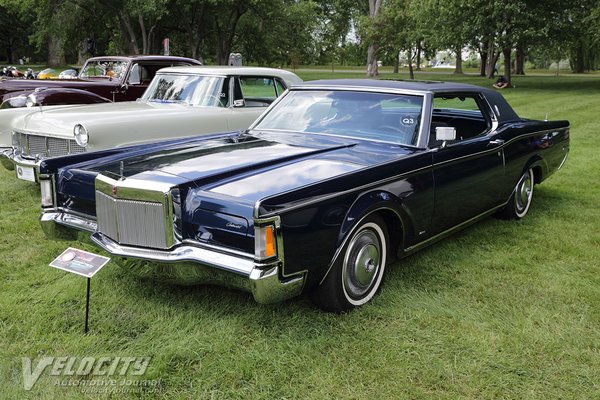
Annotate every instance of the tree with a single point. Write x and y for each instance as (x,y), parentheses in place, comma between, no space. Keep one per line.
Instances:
(374,27)
(445,25)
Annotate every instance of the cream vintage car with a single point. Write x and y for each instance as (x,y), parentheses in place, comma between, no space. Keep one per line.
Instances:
(180,101)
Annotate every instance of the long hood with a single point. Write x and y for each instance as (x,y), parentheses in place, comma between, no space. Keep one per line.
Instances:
(59,121)
(250,167)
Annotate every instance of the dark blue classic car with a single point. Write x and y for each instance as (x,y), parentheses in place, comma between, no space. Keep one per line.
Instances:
(337,179)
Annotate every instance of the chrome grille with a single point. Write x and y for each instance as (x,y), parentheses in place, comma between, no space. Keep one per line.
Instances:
(132,222)
(45,146)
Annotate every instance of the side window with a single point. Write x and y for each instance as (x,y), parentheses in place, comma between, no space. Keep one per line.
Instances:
(238,96)
(462,112)
(280,87)
(258,91)
(224,93)
(134,75)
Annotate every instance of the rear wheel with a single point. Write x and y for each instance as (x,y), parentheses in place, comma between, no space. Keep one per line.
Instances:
(356,274)
(520,201)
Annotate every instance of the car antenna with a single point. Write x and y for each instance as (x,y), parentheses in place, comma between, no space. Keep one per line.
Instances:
(546,118)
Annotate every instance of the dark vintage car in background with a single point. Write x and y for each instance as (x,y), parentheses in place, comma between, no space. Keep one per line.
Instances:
(337,179)
(101,80)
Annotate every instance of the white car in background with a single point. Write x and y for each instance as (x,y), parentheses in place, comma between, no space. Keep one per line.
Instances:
(180,101)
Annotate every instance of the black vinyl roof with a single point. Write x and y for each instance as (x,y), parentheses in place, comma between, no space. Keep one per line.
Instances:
(502,109)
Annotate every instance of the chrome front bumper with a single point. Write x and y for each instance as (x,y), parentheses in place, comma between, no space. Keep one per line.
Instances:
(12,160)
(184,264)
(6,156)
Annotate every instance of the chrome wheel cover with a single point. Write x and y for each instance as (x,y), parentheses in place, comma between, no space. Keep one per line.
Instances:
(524,193)
(363,264)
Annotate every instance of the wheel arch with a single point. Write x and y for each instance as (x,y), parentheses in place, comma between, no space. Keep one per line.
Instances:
(539,166)
(383,204)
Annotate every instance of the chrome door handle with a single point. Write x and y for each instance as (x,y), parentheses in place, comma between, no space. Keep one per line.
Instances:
(497,142)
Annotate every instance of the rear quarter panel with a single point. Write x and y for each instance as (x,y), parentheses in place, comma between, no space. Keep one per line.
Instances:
(542,145)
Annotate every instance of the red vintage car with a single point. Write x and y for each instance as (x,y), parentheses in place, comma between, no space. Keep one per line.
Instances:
(102,79)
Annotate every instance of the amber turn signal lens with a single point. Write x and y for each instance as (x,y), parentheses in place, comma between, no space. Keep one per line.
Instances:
(269,241)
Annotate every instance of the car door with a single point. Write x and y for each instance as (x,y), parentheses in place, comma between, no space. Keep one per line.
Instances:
(469,171)
(251,96)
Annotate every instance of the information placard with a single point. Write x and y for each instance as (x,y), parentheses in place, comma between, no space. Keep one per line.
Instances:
(79,262)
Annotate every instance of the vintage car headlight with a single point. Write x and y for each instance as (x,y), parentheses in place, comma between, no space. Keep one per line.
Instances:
(31,100)
(265,244)
(81,135)
(47,192)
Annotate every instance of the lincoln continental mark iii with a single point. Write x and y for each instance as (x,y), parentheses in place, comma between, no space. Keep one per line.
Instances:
(332,183)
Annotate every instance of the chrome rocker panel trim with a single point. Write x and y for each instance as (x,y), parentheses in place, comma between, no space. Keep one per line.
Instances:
(184,264)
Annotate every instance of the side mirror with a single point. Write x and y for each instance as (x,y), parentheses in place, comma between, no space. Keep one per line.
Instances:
(444,134)
(239,103)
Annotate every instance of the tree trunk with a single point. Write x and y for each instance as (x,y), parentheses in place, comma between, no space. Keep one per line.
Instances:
(130,34)
(418,67)
(411,72)
(579,59)
(520,62)
(458,69)
(372,69)
(9,55)
(144,35)
(81,54)
(396,65)
(483,55)
(56,55)
(506,52)
(491,62)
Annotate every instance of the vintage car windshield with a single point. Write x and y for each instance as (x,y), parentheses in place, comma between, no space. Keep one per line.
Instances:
(104,69)
(196,90)
(394,118)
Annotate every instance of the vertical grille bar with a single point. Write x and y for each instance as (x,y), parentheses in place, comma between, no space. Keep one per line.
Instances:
(106,210)
(132,222)
(141,223)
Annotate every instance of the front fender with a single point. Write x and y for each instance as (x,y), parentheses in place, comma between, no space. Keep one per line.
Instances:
(7,119)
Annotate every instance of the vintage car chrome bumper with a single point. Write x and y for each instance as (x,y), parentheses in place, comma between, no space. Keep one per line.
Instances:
(20,164)
(6,156)
(185,263)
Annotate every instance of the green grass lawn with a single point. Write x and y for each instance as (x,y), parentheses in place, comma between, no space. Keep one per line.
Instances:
(501,310)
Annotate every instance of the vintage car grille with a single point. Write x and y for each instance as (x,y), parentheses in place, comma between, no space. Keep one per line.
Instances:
(45,146)
(133,222)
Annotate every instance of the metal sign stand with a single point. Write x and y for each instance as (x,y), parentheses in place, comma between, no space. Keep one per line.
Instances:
(82,263)
(87,306)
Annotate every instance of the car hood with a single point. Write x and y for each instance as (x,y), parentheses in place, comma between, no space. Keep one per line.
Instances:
(59,121)
(243,168)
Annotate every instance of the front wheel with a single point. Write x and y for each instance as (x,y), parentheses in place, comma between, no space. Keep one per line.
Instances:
(358,270)
(520,201)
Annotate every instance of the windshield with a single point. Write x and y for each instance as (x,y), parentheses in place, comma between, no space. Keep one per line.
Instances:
(394,118)
(196,90)
(104,69)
